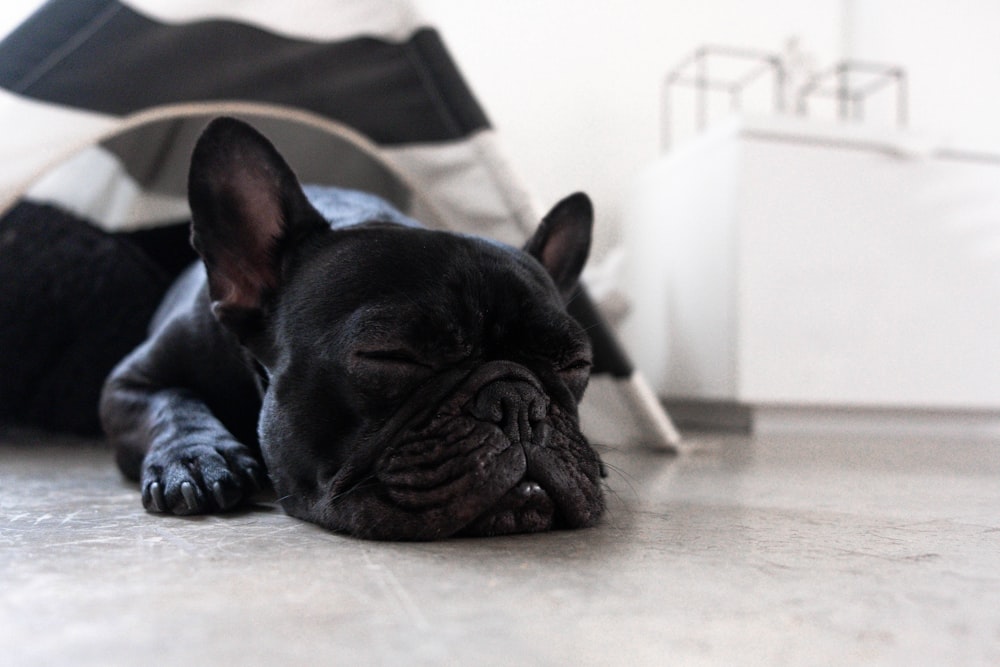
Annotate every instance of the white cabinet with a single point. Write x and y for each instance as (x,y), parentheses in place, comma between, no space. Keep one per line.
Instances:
(784,262)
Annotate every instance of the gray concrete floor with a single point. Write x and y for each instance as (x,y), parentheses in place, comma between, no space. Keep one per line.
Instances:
(768,550)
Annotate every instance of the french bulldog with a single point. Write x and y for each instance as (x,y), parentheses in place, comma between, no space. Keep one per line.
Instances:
(390,381)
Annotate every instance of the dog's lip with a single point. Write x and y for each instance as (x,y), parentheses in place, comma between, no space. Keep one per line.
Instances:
(525,508)
(528,490)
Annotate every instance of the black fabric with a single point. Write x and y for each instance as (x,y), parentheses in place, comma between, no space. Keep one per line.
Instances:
(167,246)
(102,56)
(74,300)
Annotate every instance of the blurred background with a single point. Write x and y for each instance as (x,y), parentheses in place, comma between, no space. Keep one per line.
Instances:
(574,85)
(836,259)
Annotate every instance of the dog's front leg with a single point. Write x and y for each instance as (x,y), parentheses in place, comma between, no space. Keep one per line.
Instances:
(169,440)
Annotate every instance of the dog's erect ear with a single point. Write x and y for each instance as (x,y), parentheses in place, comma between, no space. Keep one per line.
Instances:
(562,241)
(246,207)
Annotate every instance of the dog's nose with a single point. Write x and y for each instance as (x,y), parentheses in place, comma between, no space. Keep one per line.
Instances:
(517,407)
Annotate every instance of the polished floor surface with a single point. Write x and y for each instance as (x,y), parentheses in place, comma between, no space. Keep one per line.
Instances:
(785,550)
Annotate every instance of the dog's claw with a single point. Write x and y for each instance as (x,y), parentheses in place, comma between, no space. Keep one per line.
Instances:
(220,496)
(254,475)
(156,497)
(189,496)
(197,478)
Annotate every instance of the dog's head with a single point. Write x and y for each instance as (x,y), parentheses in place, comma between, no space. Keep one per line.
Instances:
(420,383)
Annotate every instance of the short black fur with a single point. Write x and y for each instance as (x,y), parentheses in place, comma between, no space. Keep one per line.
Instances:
(390,381)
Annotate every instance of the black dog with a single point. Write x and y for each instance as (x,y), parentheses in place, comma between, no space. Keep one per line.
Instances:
(393,381)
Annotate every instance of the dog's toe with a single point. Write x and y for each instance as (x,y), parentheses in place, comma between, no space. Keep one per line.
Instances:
(152,497)
(171,498)
(184,496)
(229,495)
(190,497)
(219,495)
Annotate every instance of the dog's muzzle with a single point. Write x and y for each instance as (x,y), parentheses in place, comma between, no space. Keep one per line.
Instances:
(497,456)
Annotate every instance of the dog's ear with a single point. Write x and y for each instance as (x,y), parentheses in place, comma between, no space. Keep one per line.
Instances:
(562,242)
(246,208)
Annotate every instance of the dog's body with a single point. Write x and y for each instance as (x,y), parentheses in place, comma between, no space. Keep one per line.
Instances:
(393,382)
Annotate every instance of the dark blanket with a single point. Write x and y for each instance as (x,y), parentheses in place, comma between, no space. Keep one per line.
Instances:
(74,300)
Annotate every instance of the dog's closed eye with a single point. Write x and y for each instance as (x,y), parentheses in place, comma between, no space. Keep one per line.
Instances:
(581,364)
(391,356)
(387,373)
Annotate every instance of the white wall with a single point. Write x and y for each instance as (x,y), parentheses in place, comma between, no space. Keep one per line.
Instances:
(951,49)
(12,12)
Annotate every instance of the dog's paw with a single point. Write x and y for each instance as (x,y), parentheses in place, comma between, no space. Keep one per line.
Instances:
(200,478)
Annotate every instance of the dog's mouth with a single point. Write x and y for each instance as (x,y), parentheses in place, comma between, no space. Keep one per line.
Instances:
(495,457)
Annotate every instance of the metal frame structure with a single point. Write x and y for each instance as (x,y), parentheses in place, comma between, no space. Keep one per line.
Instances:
(851,95)
(848,89)
(694,72)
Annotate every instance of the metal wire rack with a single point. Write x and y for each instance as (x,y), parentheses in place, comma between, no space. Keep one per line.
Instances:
(851,83)
(731,70)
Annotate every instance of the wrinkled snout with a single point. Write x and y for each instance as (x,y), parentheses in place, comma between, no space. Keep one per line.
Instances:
(488,453)
(500,456)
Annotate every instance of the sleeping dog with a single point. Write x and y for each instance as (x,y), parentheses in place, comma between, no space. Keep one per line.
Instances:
(390,381)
